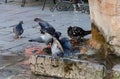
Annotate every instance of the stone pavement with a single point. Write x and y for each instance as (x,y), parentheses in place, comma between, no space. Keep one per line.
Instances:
(10,49)
(10,15)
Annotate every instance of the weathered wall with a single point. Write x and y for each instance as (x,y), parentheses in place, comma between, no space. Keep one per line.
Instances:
(105,14)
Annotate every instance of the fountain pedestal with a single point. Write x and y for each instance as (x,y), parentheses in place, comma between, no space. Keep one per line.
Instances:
(66,67)
(105,16)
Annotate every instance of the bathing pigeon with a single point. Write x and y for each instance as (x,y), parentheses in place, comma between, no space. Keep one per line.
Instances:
(62,47)
(77,32)
(65,42)
(67,46)
(69,49)
(56,48)
(45,26)
(18,30)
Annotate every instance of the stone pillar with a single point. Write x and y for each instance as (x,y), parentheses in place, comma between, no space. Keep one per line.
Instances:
(105,18)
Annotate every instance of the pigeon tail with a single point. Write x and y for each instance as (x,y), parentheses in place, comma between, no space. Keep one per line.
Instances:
(87,32)
(34,40)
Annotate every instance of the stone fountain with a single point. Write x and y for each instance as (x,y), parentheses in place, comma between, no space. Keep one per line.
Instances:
(105,17)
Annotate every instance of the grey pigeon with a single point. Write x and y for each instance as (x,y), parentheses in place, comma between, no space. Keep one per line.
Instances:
(45,26)
(18,30)
(65,42)
(44,38)
(69,50)
(62,47)
(67,46)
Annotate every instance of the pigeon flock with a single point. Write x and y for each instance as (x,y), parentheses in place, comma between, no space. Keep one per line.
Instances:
(60,46)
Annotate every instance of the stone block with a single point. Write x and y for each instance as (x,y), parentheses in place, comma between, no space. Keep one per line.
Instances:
(66,68)
(116,72)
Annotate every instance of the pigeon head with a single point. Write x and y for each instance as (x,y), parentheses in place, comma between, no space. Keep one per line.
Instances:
(59,33)
(21,22)
(70,31)
(70,27)
(37,19)
(42,32)
(50,41)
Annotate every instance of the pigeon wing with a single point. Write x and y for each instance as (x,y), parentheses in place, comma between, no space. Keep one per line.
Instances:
(59,44)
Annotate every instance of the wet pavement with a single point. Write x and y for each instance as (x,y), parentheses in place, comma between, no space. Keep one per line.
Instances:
(12,58)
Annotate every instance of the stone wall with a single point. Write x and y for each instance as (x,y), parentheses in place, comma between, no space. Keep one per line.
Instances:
(105,15)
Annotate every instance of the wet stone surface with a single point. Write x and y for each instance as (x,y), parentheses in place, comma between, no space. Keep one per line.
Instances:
(5,63)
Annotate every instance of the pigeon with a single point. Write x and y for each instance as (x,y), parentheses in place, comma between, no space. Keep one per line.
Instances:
(62,47)
(18,30)
(44,38)
(45,26)
(52,42)
(69,49)
(77,32)
(67,46)
(56,48)
(65,42)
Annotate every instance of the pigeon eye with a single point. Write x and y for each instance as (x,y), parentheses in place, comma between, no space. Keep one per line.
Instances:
(74,33)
